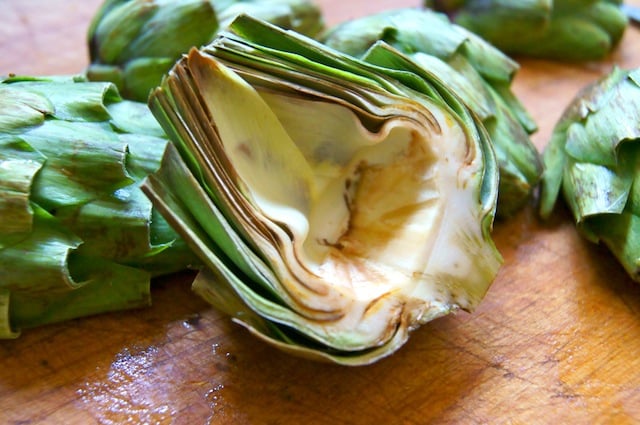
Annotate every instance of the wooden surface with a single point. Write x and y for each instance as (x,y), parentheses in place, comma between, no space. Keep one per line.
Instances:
(556,340)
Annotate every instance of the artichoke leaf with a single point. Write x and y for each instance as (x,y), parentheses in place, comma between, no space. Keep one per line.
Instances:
(67,98)
(19,164)
(107,287)
(19,109)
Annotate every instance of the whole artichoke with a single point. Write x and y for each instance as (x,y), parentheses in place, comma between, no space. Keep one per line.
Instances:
(337,204)
(77,235)
(594,159)
(479,73)
(569,30)
(134,43)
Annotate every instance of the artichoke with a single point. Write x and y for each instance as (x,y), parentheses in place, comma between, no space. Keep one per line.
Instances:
(594,158)
(336,204)
(134,43)
(480,74)
(568,30)
(77,235)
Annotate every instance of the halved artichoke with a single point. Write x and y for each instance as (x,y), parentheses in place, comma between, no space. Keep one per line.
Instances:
(77,236)
(593,157)
(568,30)
(134,43)
(337,204)
(478,72)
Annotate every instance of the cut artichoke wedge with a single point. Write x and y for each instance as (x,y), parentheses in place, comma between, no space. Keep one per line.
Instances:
(593,160)
(478,72)
(337,204)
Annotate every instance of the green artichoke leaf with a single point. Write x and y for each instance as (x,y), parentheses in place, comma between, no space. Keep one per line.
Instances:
(479,73)
(20,109)
(76,149)
(109,287)
(355,205)
(49,244)
(20,164)
(568,30)
(593,160)
(602,189)
(134,118)
(77,235)
(74,98)
(462,78)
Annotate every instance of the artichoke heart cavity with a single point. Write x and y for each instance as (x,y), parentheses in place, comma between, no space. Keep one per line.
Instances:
(354,213)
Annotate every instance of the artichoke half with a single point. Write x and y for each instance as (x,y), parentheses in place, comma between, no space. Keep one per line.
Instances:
(77,235)
(568,30)
(337,204)
(479,73)
(593,158)
(134,43)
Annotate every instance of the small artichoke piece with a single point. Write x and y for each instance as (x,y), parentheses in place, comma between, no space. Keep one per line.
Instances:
(77,235)
(593,157)
(337,204)
(479,73)
(134,43)
(568,30)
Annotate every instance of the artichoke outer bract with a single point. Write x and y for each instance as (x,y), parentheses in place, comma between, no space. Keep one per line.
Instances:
(567,30)
(593,159)
(134,43)
(337,204)
(479,73)
(77,235)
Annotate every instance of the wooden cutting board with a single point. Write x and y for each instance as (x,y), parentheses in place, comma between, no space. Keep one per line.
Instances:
(556,340)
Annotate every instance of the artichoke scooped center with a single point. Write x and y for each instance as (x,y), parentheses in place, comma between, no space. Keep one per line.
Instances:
(353,211)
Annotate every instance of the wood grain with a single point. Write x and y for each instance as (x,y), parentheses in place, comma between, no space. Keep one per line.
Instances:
(556,340)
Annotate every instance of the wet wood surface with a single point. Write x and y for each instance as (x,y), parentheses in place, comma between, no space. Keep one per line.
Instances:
(556,340)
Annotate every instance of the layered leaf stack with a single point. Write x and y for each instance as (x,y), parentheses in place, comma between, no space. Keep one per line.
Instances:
(77,236)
